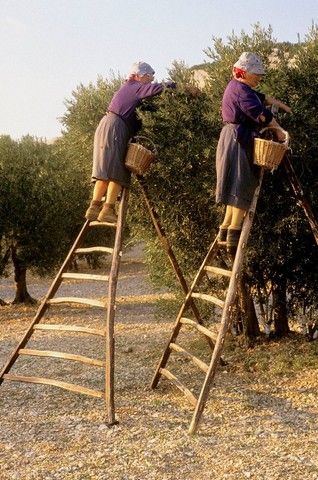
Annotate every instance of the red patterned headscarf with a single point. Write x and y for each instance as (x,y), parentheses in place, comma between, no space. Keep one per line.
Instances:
(238,72)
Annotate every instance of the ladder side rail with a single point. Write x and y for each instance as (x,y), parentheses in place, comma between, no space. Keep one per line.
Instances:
(110,344)
(178,324)
(44,305)
(228,306)
(300,197)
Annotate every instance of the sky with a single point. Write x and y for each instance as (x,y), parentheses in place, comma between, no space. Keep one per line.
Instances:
(49,47)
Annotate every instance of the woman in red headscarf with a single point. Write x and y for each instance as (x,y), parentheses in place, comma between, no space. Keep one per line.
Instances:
(244,114)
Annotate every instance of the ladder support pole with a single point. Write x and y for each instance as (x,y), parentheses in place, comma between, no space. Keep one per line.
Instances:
(110,342)
(166,245)
(178,324)
(227,310)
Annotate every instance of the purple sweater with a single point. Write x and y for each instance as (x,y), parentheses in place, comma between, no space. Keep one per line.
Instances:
(130,96)
(243,105)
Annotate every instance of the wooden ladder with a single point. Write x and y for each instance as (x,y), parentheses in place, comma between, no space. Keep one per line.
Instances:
(107,333)
(215,264)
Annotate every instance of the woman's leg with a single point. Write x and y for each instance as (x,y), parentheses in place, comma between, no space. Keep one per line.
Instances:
(234,230)
(100,188)
(113,191)
(237,218)
(95,206)
(227,217)
(225,224)
(107,213)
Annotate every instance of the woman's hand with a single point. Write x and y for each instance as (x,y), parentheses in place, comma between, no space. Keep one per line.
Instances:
(277,103)
(279,131)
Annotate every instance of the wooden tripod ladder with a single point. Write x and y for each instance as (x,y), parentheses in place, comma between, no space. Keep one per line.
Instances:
(227,305)
(107,333)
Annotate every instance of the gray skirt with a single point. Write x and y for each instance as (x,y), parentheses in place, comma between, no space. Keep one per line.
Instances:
(237,177)
(110,146)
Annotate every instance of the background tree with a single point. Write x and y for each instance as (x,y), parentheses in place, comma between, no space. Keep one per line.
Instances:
(38,196)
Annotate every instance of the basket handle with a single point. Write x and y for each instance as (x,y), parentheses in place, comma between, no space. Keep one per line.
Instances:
(138,137)
(286,142)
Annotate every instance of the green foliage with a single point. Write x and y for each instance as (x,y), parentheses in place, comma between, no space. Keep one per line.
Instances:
(38,198)
(185,127)
(182,183)
(83,113)
(283,243)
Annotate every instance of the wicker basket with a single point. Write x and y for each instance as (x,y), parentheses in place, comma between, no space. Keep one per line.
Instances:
(267,153)
(138,158)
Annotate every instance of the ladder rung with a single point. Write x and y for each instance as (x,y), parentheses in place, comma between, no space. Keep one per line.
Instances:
(102,224)
(179,385)
(84,301)
(65,356)
(94,249)
(85,276)
(218,271)
(203,366)
(56,383)
(200,328)
(208,298)
(69,328)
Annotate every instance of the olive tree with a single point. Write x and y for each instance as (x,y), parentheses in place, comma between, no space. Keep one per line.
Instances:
(39,197)
(183,181)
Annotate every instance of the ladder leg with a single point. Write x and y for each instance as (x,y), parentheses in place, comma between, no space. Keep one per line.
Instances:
(110,343)
(167,247)
(163,361)
(44,305)
(227,310)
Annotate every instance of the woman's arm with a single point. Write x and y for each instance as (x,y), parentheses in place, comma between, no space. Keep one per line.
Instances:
(273,101)
(151,89)
(251,105)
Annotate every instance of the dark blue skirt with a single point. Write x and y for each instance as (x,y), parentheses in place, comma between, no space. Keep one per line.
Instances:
(237,177)
(110,147)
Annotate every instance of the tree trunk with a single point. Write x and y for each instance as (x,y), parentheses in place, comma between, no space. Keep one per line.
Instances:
(248,315)
(21,295)
(281,327)
(3,263)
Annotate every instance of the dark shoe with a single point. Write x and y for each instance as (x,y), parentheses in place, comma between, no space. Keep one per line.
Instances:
(93,210)
(107,214)
(222,235)
(232,240)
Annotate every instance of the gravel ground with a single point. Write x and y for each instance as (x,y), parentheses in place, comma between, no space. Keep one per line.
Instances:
(255,425)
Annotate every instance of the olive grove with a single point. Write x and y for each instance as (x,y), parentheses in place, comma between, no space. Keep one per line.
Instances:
(281,270)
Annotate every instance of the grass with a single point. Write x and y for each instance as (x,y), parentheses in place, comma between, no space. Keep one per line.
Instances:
(289,354)
(277,357)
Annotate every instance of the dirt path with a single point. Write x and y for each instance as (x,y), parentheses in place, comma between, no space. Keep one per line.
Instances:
(256,425)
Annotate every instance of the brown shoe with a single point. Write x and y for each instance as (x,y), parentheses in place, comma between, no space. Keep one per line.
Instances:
(222,234)
(93,210)
(107,214)
(232,240)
